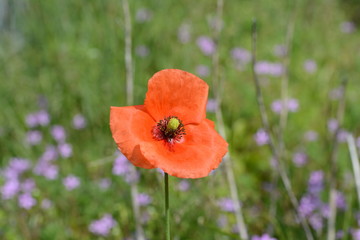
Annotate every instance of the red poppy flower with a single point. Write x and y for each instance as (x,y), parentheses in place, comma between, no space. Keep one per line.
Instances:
(170,131)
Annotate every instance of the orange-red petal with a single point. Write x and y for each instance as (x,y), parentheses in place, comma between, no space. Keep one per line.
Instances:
(200,152)
(173,92)
(130,126)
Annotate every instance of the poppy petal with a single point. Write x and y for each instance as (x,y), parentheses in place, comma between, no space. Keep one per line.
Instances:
(173,92)
(200,152)
(130,126)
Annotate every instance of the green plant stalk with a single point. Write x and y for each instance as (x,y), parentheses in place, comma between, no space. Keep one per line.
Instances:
(167,209)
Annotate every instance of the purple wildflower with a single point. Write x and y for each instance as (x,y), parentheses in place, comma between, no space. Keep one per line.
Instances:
(184,35)
(71,182)
(143,199)
(342,135)
(263,237)
(311,136)
(203,70)
(308,204)
(280,50)
(58,133)
(10,188)
(33,137)
(28,185)
(65,150)
(102,226)
(299,159)
(355,234)
(183,185)
(104,183)
(19,165)
(316,222)
(31,120)
(292,105)
(50,154)
(310,66)
(340,200)
(241,55)
(340,234)
(143,15)
(261,137)
(268,68)
(222,221)
(276,106)
(79,121)
(325,210)
(43,118)
(26,201)
(121,166)
(227,205)
(142,51)
(315,183)
(46,204)
(347,27)
(206,45)
(332,125)
(50,172)
(211,105)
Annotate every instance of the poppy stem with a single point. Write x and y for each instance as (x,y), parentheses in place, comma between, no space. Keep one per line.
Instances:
(167,209)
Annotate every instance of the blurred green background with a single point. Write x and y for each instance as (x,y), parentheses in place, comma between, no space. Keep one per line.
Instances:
(66,58)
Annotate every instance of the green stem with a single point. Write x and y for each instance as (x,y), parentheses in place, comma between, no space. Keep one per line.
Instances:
(167,209)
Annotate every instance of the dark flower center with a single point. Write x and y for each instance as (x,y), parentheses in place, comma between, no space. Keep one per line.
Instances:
(169,129)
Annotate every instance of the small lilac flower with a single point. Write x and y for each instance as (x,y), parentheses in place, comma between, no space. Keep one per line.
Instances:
(184,35)
(19,165)
(340,234)
(226,205)
(261,137)
(46,204)
(292,105)
(308,204)
(79,121)
(71,182)
(206,45)
(65,150)
(132,177)
(10,189)
(143,15)
(268,68)
(43,118)
(142,51)
(336,93)
(222,221)
(316,222)
(31,120)
(184,185)
(203,70)
(104,183)
(145,217)
(28,185)
(325,210)
(50,172)
(121,166)
(211,105)
(347,27)
(33,137)
(58,133)
(311,136)
(342,135)
(310,66)
(355,234)
(276,106)
(241,55)
(263,237)
(26,201)
(315,183)
(50,154)
(143,199)
(332,125)
(299,159)
(280,50)
(340,200)
(103,226)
